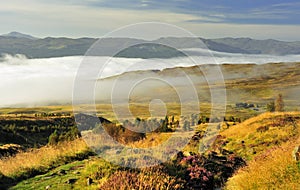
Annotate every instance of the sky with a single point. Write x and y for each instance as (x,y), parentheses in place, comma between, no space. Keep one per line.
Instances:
(257,19)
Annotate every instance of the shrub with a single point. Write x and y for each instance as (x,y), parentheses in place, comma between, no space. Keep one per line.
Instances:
(53,138)
(121,134)
(208,172)
(271,106)
(146,179)
(279,105)
(262,129)
(131,136)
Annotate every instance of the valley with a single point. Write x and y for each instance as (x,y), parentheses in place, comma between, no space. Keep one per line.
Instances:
(66,149)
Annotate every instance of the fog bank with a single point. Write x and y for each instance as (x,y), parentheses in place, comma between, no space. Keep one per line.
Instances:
(34,82)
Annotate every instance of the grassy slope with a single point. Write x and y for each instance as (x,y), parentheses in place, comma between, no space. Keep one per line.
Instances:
(247,139)
(74,176)
(38,161)
(274,169)
(270,165)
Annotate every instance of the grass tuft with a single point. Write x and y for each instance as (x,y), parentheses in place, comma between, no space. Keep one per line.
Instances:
(36,161)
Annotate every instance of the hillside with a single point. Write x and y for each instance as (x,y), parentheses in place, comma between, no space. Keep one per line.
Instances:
(255,135)
(250,83)
(264,143)
(268,142)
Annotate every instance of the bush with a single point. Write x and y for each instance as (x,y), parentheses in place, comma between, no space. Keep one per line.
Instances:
(146,179)
(53,138)
(271,106)
(208,172)
(279,105)
(121,134)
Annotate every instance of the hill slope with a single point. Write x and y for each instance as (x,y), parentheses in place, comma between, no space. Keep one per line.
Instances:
(271,167)
(267,141)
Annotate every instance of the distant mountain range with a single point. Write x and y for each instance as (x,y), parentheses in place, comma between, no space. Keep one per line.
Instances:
(32,47)
(19,35)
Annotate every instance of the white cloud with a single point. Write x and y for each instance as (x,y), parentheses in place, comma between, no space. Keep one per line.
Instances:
(290,4)
(218,15)
(71,20)
(42,81)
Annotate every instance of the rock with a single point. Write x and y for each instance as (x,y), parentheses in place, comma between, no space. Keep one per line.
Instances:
(226,152)
(195,138)
(71,181)
(89,181)
(61,172)
(48,187)
(296,153)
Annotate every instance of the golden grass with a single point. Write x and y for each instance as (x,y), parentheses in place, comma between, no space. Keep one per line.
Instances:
(152,140)
(246,141)
(41,158)
(273,166)
(275,169)
(250,125)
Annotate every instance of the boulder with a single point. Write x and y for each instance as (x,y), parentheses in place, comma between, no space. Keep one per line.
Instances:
(296,153)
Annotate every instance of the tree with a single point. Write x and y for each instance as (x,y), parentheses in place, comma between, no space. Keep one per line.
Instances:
(172,121)
(271,106)
(53,138)
(165,125)
(279,105)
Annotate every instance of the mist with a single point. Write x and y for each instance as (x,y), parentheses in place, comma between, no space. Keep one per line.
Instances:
(48,81)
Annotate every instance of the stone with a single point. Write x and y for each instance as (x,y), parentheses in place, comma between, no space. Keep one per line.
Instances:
(296,153)
(61,172)
(89,181)
(71,181)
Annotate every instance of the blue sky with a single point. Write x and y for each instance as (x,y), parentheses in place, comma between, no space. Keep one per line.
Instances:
(259,19)
(228,11)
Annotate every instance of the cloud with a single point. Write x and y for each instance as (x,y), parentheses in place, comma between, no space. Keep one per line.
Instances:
(71,20)
(289,4)
(33,82)
(75,18)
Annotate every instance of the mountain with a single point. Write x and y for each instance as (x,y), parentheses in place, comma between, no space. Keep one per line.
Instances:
(17,43)
(44,48)
(186,43)
(19,35)
(269,46)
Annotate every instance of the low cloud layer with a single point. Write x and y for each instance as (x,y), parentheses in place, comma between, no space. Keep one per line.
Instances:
(34,82)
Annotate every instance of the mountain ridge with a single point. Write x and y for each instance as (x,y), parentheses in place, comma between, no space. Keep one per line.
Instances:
(168,47)
(19,35)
